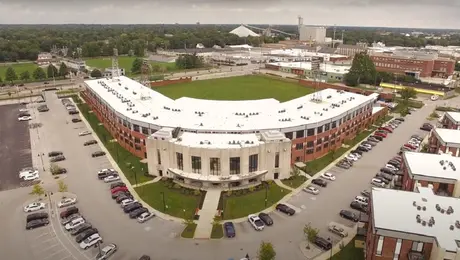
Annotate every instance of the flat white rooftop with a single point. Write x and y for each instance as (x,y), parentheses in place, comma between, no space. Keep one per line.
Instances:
(442,166)
(219,141)
(377,109)
(447,136)
(304,53)
(142,104)
(396,210)
(455,116)
(307,66)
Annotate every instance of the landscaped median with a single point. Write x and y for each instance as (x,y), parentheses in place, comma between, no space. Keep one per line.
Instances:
(129,164)
(294,181)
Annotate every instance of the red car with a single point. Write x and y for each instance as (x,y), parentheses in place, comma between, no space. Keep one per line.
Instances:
(386,128)
(381,134)
(117,189)
(410,146)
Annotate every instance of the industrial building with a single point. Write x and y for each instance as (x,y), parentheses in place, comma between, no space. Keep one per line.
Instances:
(44,58)
(447,138)
(327,72)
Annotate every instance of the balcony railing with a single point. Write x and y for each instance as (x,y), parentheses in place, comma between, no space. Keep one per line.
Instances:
(412,255)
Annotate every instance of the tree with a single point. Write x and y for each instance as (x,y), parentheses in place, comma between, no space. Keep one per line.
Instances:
(295,172)
(63,70)
(39,74)
(52,71)
(362,71)
(266,251)
(189,61)
(10,75)
(408,93)
(137,65)
(25,75)
(62,187)
(38,190)
(310,234)
(95,73)
(457,66)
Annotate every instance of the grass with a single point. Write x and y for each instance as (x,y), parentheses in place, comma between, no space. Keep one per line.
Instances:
(124,158)
(126,63)
(295,181)
(237,88)
(19,68)
(179,202)
(217,231)
(349,252)
(240,205)
(189,231)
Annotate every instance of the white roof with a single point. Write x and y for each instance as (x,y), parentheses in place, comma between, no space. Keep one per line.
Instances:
(219,141)
(454,115)
(242,31)
(394,210)
(307,66)
(448,135)
(376,109)
(144,105)
(304,53)
(433,165)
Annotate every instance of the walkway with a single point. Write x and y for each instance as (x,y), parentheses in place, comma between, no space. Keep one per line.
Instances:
(282,185)
(207,214)
(156,179)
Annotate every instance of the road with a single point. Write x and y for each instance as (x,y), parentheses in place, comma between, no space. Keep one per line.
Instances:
(159,238)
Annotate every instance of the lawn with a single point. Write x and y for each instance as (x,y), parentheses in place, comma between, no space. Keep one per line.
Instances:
(124,158)
(349,252)
(19,68)
(237,88)
(189,231)
(178,201)
(295,181)
(241,203)
(217,231)
(126,63)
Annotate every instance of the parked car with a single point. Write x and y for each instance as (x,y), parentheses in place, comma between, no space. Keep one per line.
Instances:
(111,178)
(392,167)
(417,137)
(31,177)
(358,152)
(90,142)
(328,176)
(37,223)
(69,211)
(74,223)
(322,243)
(378,183)
(311,190)
(76,120)
(117,189)
(84,133)
(117,184)
(346,214)
(65,202)
(373,139)
(73,112)
(91,241)
(343,165)
(229,229)
(123,196)
(380,134)
(358,206)
(80,229)
(43,108)
(85,234)
(256,222)
(364,148)
(98,154)
(385,177)
(336,229)
(24,118)
(145,216)
(144,257)
(285,209)
(266,218)
(70,218)
(401,119)
(426,127)
(380,138)
(366,193)
(132,207)
(319,182)
(106,252)
(137,212)
(37,215)
(362,200)
(34,206)
(54,153)
(57,158)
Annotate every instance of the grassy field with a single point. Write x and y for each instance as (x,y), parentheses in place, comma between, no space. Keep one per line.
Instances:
(217,231)
(189,231)
(295,181)
(126,63)
(19,68)
(237,88)
(349,252)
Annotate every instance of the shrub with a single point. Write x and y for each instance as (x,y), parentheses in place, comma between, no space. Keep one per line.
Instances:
(176,186)
(196,192)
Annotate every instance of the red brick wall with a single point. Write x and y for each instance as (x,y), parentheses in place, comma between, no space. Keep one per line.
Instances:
(272,67)
(444,65)
(424,67)
(166,82)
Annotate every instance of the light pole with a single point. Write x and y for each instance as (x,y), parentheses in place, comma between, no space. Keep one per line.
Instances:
(164,203)
(266,193)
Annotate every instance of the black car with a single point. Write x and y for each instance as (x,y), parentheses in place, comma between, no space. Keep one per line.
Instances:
(377,137)
(76,120)
(229,229)
(69,211)
(59,171)
(387,177)
(23,114)
(319,182)
(124,196)
(35,216)
(85,234)
(37,223)
(266,218)
(400,119)
(323,243)
(417,137)
(81,228)
(119,193)
(54,153)
(90,142)
(362,149)
(384,180)
(102,175)
(346,214)
(98,153)
(117,184)
(73,112)
(357,151)
(386,170)
(285,209)
(57,158)
(137,212)
(358,206)
(131,207)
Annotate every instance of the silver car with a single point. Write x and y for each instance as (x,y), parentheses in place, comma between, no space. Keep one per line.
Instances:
(106,252)
(145,216)
(311,190)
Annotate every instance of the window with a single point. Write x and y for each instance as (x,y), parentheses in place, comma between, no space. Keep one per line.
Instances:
(196,164)
(397,249)
(310,132)
(310,144)
(277,160)
(234,165)
(320,130)
(288,135)
(137,140)
(136,128)
(319,141)
(214,165)
(380,246)
(158,156)
(300,134)
(253,162)
(180,161)
(327,127)
(299,146)
(318,149)
(417,246)
(310,151)
(334,125)
(145,130)
(326,145)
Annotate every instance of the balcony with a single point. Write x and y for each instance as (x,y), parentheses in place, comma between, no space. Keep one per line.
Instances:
(413,255)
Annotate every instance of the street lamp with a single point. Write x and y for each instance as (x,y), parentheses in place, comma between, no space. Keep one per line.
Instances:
(266,193)
(164,203)
(133,171)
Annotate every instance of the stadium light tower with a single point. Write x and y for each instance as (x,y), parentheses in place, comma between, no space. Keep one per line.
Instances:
(115,69)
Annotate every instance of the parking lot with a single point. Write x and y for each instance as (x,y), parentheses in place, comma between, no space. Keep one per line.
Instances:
(15,153)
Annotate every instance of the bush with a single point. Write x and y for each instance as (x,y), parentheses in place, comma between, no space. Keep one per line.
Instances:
(176,186)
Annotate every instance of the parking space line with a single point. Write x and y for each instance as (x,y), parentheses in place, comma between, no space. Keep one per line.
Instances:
(48,248)
(53,254)
(44,241)
(42,235)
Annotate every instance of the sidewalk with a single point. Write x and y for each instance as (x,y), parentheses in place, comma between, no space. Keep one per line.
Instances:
(207,213)
(282,185)
(156,179)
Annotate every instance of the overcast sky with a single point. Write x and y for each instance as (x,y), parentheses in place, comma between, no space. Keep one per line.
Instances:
(389,13)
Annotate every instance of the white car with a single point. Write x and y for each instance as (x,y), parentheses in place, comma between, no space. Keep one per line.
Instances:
(106,252)
(91,241)
(126,202)
(23,110)
(377,183)
(328,176)
(111,178)
(107,171)
(352,157)
(27,171)
(31,177)
(74,223)
(84,133)
(67,202)
(434,97)
(357,155)
(362,200)
(24,118)
(145,216)
(34,206)
(391,167)
(256,222)
(336,229)
(312,190)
